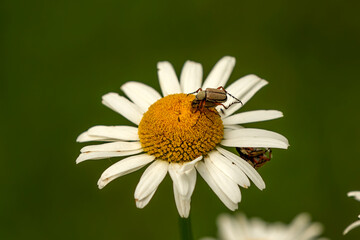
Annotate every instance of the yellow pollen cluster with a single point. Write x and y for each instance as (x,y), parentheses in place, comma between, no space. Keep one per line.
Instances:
(174,131)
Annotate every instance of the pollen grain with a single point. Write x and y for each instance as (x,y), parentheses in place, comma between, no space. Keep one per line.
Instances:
(172,130)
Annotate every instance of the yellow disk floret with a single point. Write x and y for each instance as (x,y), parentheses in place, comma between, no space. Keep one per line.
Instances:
(174,131)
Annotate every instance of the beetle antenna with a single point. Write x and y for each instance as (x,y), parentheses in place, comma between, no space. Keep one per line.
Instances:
(200,89)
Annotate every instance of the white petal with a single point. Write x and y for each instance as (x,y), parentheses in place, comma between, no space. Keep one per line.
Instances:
(254,132)
(85,137)
(204,172)
(179,178)
(252,116)
(227,185)
(151,179)
(168,80)
(232,127)
(312,231)
(182,204)
(142,203)
(245,166)
(355,194)
(191,77)
(125,133)
(189,165)
(112,147)
(191,178)
(229,169)
(299,224)
(250,137)
(101,155)
(123,106)
(243,89)
(183,201)
(351,227)
(124,167)
(220,73)
(141,94)
(227,227)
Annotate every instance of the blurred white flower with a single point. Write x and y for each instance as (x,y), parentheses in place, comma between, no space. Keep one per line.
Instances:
(239,227)
(176,138)
(356,195)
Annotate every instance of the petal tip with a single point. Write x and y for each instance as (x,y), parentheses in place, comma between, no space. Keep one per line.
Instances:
(101,184)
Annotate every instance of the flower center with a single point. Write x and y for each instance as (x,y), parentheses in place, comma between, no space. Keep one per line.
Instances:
(174,131)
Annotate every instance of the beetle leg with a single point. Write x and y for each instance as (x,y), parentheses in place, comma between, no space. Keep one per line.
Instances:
(222,88)
(237,100)
(220,104)
(202,105)
(208,118)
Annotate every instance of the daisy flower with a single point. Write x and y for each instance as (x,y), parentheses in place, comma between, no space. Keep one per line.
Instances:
(173,136)
(356,195)
(240,228)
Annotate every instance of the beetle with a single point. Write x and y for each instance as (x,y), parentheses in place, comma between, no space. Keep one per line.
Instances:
(211,98)
(257,157)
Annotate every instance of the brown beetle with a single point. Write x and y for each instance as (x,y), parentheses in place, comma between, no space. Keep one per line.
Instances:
(257,157)
(211,97)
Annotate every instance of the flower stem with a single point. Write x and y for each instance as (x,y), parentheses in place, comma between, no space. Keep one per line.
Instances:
(185,228)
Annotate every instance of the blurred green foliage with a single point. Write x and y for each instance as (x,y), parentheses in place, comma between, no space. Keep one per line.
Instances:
(59,57)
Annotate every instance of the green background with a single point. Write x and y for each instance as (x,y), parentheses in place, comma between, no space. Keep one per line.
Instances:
(59,57)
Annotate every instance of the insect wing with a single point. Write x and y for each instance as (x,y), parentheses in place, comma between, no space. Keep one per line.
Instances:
(215,95)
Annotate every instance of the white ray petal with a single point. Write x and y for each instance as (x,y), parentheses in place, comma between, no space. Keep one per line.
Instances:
(109,133)
(229,130)
(101,155)
(252,116)
(312,231)
(182,204)
(355,194)
(168,80)
(179,177)
(124,167)
(254,132)
(227,229)
(254,142)
(220,73)
(352,226)
(141,94)
(232,127)
(183,201)
(227,185)
(249,137)
(112,147)
(299,224)
(243,89)
(205,174)
(123,106)
(151,179)
(229,169)
(190,165)
(191,77)
(85,137)
(245,166)
(142,203)
(191,178)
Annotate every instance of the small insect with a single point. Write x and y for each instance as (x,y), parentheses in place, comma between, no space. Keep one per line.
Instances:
(211,97)
(257,157)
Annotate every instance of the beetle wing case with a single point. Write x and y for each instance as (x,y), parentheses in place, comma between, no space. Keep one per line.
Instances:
(215,95)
